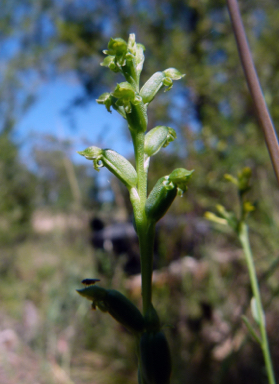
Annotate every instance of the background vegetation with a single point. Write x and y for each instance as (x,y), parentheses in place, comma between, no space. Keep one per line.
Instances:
(47,333)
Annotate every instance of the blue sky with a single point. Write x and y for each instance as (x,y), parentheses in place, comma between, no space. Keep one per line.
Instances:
(93,124)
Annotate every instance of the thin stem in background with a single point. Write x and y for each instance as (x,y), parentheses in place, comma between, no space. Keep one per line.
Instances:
(254,85)
(244,239)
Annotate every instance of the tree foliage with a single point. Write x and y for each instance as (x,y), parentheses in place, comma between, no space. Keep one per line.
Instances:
(16,193)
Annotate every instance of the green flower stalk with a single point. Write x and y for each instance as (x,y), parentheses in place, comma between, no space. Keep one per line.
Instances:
(131,102)
(240,227)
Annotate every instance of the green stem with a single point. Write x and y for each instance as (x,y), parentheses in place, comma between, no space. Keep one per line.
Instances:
(138,141)
(244,239)
(146,242)
(145,229)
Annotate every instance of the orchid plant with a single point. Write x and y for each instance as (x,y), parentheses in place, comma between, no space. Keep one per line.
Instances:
(131,101)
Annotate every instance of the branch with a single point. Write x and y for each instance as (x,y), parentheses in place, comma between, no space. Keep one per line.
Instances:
(254,85)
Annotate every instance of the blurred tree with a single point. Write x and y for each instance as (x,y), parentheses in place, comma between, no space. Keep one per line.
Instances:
(17,87)
(62,184)
(16,194)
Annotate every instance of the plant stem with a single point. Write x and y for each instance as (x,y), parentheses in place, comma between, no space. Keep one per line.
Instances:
(254,85)
(146,241)
(244,239)
(138,141)
(145,229)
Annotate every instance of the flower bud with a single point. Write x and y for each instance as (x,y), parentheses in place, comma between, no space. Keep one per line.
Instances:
(125,91)
(180,178)
(157,81)
(155,359)
(165,191)
(124,311)
(117,305)
(134,60)
(160,199)
(132,103)
(157,138)
(120,167)
(152,87)
(125,57)
(114,162)
(93,293)
(117,49)
(116,46)
(92,153)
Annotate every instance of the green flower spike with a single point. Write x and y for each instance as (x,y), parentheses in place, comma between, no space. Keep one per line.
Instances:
(114,162)
(242,182)
(131,102)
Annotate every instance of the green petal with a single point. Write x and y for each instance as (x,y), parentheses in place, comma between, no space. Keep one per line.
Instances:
(109,62)
(180,178)
(91,153)
(173,73)
(116,46)
(106,100)
(124,91)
